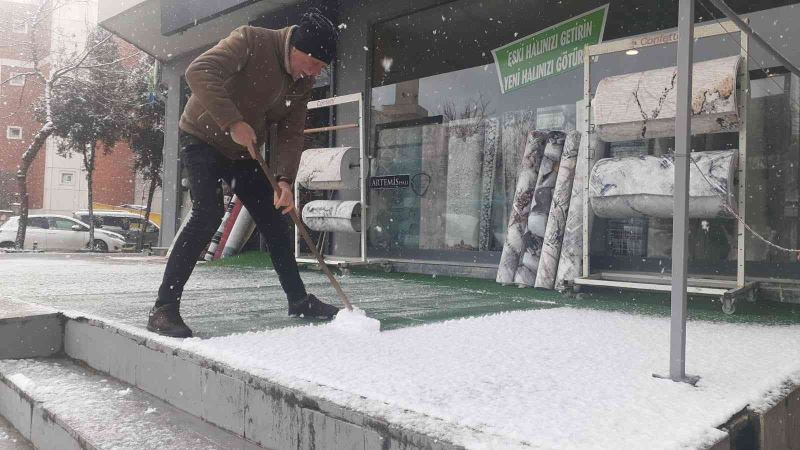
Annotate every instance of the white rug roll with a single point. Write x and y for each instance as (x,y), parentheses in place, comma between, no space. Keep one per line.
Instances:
(642,105)
(533,239)
(570,260)
(329,168)
(333,215)
(556,221)
(520,208)
(623,188)
(464,164)
(489,169)
(433,187)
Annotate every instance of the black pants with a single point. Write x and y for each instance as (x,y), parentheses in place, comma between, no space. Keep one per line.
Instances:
(207,168)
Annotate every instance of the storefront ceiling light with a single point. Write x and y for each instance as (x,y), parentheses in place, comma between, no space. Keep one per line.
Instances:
(632,52)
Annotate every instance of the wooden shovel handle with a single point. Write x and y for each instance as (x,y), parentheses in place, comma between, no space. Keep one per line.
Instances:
(301,228)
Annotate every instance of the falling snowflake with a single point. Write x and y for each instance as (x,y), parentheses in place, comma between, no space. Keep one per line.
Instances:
(342,26)
(386,62)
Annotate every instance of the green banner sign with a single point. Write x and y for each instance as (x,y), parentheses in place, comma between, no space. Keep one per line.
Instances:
(550,52)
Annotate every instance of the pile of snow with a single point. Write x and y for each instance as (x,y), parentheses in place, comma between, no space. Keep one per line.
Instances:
(23,382)
(355,321)
(553,378)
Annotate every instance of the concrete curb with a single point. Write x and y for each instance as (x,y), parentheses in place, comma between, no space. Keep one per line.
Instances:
(257,409)
(32,336)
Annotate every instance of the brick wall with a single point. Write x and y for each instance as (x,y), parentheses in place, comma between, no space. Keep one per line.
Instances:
(16,102)
(16,110)
(114,180)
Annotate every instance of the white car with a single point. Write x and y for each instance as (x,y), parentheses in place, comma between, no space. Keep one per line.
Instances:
(55,232)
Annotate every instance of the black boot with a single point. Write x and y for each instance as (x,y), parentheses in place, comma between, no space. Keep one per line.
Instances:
(312,307)
(166,320)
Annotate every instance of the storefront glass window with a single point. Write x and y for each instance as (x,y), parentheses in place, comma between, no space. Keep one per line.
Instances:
(438,116)
(773,163)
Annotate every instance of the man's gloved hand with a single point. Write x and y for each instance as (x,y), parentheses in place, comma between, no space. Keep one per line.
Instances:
(242,133)
(285,200)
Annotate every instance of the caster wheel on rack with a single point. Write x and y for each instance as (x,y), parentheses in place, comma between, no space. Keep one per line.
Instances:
(728,306)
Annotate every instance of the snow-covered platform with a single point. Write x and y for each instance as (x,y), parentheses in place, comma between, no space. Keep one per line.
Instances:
(559,378)
(546,375)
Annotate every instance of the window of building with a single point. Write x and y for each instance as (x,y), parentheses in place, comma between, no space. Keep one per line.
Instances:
(16,81)
(14,132)
(19,27)
(67,178)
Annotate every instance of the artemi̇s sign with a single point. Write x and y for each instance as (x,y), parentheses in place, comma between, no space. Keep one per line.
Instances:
(549,52)
(390,182)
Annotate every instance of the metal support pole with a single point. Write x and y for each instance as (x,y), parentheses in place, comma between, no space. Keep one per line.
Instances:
(680,220)
(587,126)
(171,191)
(744,104)
(362,182)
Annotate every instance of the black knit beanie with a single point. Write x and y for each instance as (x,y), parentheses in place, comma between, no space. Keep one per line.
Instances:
(315,35)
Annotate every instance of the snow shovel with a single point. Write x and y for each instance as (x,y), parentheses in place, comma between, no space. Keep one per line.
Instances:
(301,228)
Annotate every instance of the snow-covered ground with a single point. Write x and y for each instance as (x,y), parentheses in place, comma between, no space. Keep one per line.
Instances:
(560,378)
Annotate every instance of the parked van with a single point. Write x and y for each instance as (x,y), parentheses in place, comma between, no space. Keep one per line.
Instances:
(124,223)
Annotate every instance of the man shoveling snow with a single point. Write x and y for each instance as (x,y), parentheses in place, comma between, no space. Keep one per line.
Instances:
(252,77)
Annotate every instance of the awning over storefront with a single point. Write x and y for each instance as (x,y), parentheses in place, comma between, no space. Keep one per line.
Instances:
(156,27)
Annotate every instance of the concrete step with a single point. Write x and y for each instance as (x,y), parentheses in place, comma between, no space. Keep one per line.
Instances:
(249,406)
(10,439)
(58,403)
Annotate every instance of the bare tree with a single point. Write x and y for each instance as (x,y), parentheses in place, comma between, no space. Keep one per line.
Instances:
(50,70)
(473,109)
(145,130)
(89,110)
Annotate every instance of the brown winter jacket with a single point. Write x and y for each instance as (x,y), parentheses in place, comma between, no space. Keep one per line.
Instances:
(245,77)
